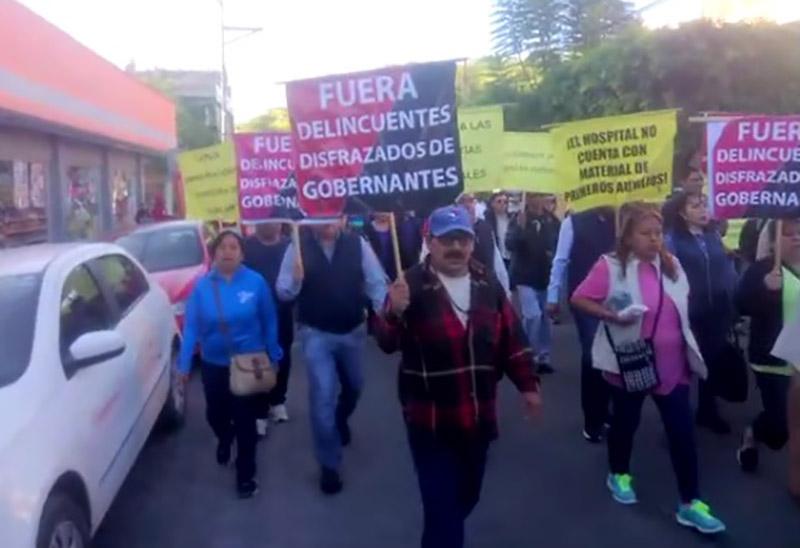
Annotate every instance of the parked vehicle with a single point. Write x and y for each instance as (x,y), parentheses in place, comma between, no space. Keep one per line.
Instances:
(88,350)
(175,254)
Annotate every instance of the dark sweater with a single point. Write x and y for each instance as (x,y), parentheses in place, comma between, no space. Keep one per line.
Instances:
(409,234)
(266,260)
(484,245)
(594,234)
(532,248)
(765,308)
(711,278)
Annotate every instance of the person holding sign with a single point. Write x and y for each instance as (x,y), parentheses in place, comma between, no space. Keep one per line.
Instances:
(409,232)
(231,315)
(338,275)
(532,242)
(645,346)
(486,251)
(698,246)
(583,239)
(499,220)
(263,252)
(768,293)
(787,347)
(458,334)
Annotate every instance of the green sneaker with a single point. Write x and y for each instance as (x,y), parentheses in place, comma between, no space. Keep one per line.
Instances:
(621,489)
(698,515)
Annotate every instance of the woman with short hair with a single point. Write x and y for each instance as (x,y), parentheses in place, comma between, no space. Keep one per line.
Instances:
(230,311)
(711,276)
(645,347)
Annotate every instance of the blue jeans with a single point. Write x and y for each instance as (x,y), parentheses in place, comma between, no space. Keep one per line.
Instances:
(533,308)
(450,478)
(332,360)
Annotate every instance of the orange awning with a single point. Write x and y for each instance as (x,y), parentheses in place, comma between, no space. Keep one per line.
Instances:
(47,75)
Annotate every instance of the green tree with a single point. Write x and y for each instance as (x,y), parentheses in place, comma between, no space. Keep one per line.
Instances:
(190,119)
(589,22)
(275,119)
(492,80)
(511,32)
(699,67)
(544,32)
(547,22)
(193,131)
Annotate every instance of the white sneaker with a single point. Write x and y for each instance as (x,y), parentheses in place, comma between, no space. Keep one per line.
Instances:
(261,427)
(278,413)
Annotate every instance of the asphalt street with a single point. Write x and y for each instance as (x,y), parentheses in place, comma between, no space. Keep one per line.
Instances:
(544,484)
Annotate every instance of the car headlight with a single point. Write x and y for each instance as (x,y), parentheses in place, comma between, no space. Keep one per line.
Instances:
(179,308)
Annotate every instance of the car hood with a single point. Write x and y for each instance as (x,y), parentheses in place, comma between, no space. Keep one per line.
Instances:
(179,283)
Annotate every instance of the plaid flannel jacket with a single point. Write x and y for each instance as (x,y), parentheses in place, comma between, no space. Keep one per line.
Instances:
(448,372)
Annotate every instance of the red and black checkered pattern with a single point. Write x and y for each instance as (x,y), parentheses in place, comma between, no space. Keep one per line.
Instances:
(449,372)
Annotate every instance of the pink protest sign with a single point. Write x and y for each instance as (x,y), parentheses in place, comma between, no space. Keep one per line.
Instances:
(754,167)
(265,171)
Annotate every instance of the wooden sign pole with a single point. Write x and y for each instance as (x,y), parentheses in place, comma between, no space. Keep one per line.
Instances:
(298,252)
(395,246)
(778,246)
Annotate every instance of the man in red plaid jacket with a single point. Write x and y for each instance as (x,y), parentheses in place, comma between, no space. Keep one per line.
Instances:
(458,335)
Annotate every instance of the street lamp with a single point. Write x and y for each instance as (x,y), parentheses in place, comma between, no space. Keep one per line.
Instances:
(243,32)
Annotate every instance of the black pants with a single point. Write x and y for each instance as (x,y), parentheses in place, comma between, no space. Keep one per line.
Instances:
(595,396)
(706,400)
(450,478)
(771,427)
(277,395)
(712,341)
(676,413)
(231,417)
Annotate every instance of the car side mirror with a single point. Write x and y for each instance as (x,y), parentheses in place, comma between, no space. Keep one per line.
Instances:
(93,348)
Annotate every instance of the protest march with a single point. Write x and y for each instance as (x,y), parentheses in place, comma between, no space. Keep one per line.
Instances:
(399,289)
(392,146)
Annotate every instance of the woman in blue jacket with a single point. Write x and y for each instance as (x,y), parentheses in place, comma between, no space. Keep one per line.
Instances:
(698,246)
(249,312)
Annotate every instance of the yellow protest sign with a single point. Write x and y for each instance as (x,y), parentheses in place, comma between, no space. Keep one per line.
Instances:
(528,163)
(209,183)
(610,161)
(481,136)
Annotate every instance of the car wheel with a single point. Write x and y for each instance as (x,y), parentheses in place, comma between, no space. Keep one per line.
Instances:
(174,413)
(64,524)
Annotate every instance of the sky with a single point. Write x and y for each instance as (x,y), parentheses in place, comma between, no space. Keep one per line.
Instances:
(302,38)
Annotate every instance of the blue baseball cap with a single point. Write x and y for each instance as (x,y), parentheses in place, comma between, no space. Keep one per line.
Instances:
(450,219)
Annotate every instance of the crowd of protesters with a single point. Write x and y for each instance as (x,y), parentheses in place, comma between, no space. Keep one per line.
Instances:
(660,305)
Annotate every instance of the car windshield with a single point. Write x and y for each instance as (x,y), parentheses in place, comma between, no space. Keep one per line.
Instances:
(19,297)
(167,249)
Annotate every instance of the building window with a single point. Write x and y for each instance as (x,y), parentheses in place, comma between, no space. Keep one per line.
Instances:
(83,192)
(23,203)
(122,202)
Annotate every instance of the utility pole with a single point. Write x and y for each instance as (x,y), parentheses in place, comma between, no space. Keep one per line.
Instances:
(248,31)
(223,115)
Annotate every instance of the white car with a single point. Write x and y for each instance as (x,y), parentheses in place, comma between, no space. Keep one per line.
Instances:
(88,345)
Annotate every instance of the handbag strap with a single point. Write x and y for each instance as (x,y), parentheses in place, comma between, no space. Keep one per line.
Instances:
(660,302)
(658,311)
(223,325)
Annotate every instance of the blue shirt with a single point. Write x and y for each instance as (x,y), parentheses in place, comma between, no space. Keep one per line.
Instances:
(249,311)
(566,237)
